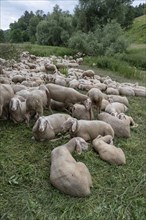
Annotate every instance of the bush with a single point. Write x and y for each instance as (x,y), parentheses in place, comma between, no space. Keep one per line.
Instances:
(10,51)
(103,41)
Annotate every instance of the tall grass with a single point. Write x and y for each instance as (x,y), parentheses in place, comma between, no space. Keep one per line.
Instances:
(115,65)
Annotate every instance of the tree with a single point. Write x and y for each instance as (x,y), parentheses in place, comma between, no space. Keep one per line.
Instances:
(2,36)
(89,13)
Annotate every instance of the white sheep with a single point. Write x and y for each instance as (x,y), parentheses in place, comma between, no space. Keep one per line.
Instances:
(116,107)
(46,127)
(37,100)
(129,119)
(17,109)
(79,111)
(117,98)
(6,93)
(96,97)
(67,95)
(86,129)
(121,127)
(67,175)
(107,151)
(88,73)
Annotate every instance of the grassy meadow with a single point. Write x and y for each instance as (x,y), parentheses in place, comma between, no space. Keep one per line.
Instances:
(118,191)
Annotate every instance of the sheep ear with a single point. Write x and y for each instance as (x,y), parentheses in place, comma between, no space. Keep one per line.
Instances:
(74,126)
(78,147)
(49,124)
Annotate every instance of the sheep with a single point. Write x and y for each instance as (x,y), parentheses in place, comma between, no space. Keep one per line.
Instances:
(117,98)
(6,93)
(126,91)
(17,109)
(129,119)
(36,100)
(96,97)
(88,73)
(88,130)
(104,104)
(18,87)
(67,95)
(18,79)
(50,67)
(67,175)
(46,127)
(79,111)
(121,127)
(108,151)
(140,92)
(116,107)
(113,91)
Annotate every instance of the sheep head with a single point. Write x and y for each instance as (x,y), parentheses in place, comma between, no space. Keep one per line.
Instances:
(81,145)
(15,103)
(88,104)
(70,124)
(42,124)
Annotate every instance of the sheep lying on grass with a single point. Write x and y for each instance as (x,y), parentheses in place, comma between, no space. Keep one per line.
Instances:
(121,127)
(86,129)
(116,107)
(46,127)
(127,118)
(107,151)
(67,175)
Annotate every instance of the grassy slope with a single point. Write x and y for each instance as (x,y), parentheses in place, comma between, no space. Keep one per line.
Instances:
(137,33)
(26,193)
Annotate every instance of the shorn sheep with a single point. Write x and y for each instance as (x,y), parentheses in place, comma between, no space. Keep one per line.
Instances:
(17,109)
(79,111)
(86,129)
(107,151)
(36,101)
(6,93)
(121,127)
(67,95)
(96,97)
(67,175)
(46,127)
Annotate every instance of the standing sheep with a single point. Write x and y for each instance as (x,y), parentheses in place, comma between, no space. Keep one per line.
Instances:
(6,93)
(96,97)
(67,175)
(36,101)
(17,109)
(79,111)
(67,95)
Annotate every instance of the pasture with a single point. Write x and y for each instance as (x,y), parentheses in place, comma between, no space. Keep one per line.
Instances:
(26,193)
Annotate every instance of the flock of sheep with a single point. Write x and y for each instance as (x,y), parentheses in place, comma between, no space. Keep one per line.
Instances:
(36,83)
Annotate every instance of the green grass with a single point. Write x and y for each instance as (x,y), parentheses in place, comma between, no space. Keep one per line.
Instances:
(26,192)
(40,50)
(137,33)
(115,64)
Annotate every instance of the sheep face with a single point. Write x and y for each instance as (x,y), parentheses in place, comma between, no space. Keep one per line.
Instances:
(88,104)
(81,145)
(42,124)
(67,124)
(14,104)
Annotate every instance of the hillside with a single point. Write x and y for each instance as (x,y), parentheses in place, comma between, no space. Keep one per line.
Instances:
(137,33)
